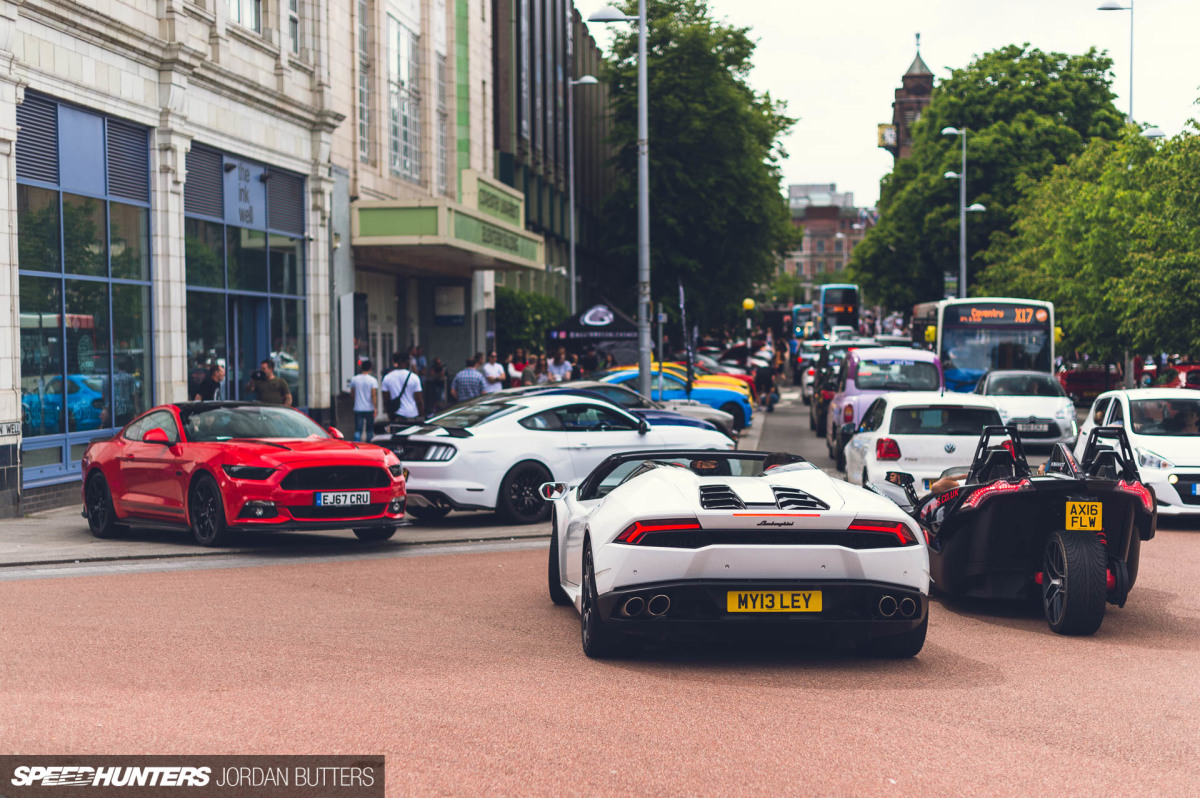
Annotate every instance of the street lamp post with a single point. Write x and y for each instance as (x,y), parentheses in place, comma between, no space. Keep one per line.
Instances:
(1113,5)
(962,208)
(610,14)
(845,246)
(586,80)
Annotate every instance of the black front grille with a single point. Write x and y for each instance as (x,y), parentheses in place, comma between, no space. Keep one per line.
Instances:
(720,497)
(699,538)
(792,499)
(337,478)
(1184,488)
(310,513)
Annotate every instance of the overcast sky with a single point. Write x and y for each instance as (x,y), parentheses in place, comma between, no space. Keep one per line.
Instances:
(838,64)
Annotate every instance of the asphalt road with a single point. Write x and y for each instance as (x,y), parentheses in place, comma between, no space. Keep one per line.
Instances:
(456,666)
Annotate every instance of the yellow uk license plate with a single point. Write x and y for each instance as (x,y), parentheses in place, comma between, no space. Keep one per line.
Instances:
(773,601)
(1085,515)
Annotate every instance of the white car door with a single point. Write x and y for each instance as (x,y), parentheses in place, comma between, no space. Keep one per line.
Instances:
(1094,418)
(862,445)
(594,432)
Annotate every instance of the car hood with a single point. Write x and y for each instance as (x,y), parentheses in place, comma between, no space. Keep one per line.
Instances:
(304,449)
(1179,449)
(1029,406)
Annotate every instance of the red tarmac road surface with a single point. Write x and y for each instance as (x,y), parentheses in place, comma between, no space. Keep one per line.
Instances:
(458,668)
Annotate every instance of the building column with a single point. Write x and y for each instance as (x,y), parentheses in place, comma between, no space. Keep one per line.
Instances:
(11,93)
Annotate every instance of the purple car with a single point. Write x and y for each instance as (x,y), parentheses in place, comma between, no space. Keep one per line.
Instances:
(867,374)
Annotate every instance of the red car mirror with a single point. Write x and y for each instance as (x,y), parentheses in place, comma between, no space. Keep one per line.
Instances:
(337,433)
(156,435)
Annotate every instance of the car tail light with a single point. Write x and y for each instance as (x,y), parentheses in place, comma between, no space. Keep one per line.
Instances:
(634,532)
(812,372)
(1139,490)
(897,528)
(887,449)
(848,414)
(995,489)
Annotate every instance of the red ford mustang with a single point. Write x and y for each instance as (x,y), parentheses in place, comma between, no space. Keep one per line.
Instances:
(221,467)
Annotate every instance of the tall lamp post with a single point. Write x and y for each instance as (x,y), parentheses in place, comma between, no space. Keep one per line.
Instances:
(961,177)
(610,14)
(586,80)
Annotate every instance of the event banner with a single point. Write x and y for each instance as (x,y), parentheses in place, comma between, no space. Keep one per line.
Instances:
(152,776)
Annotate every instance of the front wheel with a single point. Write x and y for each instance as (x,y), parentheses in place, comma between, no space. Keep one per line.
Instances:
(206,511)
(520,501)
(375,533)
(734,410)
(901,646)
(1074,582)
(101,516)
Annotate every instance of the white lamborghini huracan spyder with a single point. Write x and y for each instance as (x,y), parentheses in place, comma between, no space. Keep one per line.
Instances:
(672,544)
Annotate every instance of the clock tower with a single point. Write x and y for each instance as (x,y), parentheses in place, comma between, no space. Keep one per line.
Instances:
(911,98)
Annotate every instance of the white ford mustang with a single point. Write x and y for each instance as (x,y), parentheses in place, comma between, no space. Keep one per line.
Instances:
(495,454)
(688,543)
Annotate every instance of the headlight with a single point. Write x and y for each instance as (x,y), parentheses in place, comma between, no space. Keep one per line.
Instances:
(1149,459)
(248,472)
(1066,411)
(396,470)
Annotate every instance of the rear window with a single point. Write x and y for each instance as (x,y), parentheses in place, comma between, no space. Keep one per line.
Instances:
(942,420)
(897,375)
(472,415)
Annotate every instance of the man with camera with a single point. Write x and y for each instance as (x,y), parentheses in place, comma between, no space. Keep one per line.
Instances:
(402,391)
(271,390)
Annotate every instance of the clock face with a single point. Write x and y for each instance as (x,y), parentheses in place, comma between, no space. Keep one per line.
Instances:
(889,135)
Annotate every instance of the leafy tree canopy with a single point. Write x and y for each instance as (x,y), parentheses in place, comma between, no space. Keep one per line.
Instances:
(524,318)
(718,219)
(1025,111)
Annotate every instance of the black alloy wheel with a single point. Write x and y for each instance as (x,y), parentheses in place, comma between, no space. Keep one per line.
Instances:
(735,410)
(520,500)
(375,534)
(599,640)
(1074,582)
(553,572)
(101,516)
(207,513)
(426,513)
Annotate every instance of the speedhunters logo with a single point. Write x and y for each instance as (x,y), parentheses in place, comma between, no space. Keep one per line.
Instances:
(250,776)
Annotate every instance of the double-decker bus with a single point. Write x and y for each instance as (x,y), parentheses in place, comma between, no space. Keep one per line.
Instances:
(837,304)
(977,335)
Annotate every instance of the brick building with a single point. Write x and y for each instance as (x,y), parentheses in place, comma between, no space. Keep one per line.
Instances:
(832,225)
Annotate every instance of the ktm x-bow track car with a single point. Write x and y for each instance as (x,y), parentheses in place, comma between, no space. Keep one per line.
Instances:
(1069,536)
(218,468)
(663,545)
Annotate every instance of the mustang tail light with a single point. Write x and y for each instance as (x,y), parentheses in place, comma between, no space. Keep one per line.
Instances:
(897,528)
(887,449)
(635,531)
(1139,490)
(995,489)
(848,414)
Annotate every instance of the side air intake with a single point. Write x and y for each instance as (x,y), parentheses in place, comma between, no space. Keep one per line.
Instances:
(720,497)
(792,499)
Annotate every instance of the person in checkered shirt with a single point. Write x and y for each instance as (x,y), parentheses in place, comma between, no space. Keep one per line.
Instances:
(468,383)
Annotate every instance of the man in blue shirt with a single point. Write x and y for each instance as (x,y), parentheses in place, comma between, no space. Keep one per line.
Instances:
(468,383)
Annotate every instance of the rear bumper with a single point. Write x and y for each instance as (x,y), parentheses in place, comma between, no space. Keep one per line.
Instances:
(698,609)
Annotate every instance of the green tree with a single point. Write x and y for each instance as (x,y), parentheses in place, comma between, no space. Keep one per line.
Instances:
(718,219)
(523,319)
(1025,112)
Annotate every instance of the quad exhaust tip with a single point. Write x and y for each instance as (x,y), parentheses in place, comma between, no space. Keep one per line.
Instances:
(633,607)
(888,606)
(908,607)
(658,605)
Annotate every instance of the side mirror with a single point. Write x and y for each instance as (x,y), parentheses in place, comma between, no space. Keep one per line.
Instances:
(553,491)
(643,426)
(901,478)
(156,435)
(337,433)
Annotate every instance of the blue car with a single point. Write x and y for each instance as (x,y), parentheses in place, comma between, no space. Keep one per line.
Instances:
(42,413)
(732,402)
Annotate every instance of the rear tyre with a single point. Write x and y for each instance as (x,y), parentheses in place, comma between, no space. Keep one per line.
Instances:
(1074,582)
(98,504)
(427,514)
(206,511)
(599,639)
(519,501)
(900,646)
(553,573)
(812,420)
(375,534)
(840,458)
(732,409)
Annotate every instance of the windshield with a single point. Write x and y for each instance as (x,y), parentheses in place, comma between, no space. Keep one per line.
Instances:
(1165,416)
(841,296)
(970,352)
(1025,385)
(897,375)
(942,420)
(717,465)
(206,424)
(472,415)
